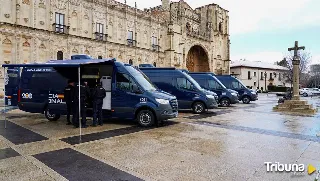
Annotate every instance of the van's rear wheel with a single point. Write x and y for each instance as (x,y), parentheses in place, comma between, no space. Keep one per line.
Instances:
(145,118)
(198,107)
(51,116)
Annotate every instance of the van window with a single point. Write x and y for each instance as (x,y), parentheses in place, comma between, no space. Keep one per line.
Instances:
(236,85)
(214,84)
(202,82)
(183,83)
(124,82)
(43,81)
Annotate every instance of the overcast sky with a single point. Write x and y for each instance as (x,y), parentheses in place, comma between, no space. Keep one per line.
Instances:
(262,30)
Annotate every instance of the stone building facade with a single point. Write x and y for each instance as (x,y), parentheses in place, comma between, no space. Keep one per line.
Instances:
(171,34)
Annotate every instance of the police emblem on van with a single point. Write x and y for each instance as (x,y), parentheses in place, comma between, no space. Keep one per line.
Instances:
(26,95)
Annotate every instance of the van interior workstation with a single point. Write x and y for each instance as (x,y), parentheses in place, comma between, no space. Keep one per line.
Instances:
(92,74)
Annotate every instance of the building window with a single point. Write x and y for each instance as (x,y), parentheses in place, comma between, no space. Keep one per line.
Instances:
(254,83)
(99,57)
(232,72)
(154,42)
(255,74)
(59,55)
(220,27)
(99,31)
(279,76)
(271,76)
(130,62)
(261,77)
(130,39)
(59,25)
(154,64)
(249,75)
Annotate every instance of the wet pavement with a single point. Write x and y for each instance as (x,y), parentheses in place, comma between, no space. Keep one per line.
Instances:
(224,144)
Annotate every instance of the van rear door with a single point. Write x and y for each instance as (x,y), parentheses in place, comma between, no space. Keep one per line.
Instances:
(12,80)
(35,84)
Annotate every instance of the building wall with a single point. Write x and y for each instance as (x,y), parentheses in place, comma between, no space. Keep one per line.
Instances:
(27,32)
(256,80)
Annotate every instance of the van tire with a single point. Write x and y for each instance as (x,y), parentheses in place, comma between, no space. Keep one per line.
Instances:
(225,102)
(198,108)
(246,100)
(51,117)
(146,118)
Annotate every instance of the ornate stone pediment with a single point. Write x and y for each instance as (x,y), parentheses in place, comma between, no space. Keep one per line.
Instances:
(42,46)
(26,44)
(75,2)
(6,41)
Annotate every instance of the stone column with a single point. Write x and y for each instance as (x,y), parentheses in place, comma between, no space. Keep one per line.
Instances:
(296,63)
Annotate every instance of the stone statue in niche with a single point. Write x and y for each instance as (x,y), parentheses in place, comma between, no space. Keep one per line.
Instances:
(188,27)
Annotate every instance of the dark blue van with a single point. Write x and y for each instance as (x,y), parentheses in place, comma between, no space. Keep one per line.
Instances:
(146,65)
(12,80)
(184,87)
(210,82)
(245,94)
(130,94)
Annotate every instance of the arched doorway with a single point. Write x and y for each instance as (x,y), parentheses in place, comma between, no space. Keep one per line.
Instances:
(197,60)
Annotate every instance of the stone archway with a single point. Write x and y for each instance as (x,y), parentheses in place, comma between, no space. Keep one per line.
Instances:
(197,59)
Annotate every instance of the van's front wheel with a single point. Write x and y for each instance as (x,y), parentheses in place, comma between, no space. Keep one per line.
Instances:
(145,118)
(246,99)
(51,116)
(198,107)
(225,102)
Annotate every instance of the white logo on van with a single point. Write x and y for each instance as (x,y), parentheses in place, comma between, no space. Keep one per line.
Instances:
(143,99)
(56,98)
(6,80)
(26,95)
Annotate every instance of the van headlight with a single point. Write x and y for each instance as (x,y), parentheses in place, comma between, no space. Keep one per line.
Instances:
(162,101)
(234,94)
(253,92)
(210,96)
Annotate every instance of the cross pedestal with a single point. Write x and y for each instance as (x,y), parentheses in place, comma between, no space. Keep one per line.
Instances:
(295,104)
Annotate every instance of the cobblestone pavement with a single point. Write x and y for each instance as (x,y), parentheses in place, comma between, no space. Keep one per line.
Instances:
(223,144)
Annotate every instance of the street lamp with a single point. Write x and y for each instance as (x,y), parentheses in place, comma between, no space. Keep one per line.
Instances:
(265,81)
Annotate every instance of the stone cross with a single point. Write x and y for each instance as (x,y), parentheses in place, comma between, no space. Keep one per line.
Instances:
(296,73)
(296,48)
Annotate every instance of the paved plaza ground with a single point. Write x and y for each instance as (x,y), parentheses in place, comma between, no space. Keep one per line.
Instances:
(223,144)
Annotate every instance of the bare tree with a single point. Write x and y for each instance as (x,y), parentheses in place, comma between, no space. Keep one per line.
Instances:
(305,58)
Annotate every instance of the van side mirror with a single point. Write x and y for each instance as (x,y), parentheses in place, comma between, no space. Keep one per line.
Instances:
(136,89)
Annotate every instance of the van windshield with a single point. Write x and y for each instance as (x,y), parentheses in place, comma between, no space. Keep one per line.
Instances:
(218,82)
(141,79)
(195,83)
(236,84)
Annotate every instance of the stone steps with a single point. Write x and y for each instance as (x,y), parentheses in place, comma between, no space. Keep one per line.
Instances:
(295,106)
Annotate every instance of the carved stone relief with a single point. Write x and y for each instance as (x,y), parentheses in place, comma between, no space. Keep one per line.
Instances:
(42,4)
(27,2)
(6,41)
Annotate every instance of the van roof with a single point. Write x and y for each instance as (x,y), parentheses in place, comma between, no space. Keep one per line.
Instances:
(201,73)
(157,68)
(62,63)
